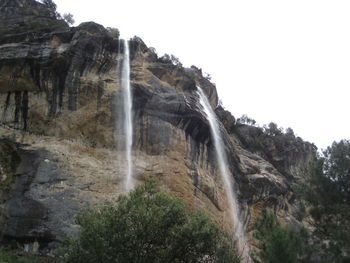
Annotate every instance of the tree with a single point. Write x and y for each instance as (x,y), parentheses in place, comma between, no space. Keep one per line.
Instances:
(113,31)
(68,17)
(273,129)
(244,119)
(170,59)
(207,76)
(50,4)
(175,60)
(147,226)
(326,189)
(277,243)
(290,132)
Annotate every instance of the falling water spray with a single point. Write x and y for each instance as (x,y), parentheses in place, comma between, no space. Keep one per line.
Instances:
(128,130)
(238,231)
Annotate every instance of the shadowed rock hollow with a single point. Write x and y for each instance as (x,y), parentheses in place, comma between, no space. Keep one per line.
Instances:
(61,116)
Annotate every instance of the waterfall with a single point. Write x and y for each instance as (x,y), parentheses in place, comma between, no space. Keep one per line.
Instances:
(221,158)
(127,110)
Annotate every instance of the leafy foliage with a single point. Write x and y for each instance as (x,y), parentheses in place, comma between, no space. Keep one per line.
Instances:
(170,59)
(10,257)
(68,17)
(289,132)
(147,226)
(207,76)
(51,5)
(244,119)
(114,31)
(280,149)
(326,188)
(273,130)
(277,243)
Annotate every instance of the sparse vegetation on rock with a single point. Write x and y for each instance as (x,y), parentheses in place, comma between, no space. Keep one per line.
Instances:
(170,59)
(282,148)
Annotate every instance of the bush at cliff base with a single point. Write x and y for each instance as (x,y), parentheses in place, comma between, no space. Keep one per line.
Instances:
(8,256)
(147,226)
(279,244)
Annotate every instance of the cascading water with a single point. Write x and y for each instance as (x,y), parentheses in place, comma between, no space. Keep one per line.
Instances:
(221,157)
(127,102)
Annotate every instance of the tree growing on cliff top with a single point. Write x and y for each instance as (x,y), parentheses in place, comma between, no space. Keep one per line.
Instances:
(244,119)
(148,226)
(51,5)
(326,188)
(68,17)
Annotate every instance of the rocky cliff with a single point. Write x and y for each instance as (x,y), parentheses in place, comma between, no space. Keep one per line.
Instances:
(61,119)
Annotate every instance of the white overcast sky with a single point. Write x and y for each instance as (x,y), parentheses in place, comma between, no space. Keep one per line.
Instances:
(274,60)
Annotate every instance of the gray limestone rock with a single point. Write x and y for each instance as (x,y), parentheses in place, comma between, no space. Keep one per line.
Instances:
(60,93)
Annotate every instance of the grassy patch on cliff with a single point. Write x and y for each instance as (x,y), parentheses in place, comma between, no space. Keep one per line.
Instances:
(9,160)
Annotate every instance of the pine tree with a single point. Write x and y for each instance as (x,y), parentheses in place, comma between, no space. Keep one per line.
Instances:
(326,189)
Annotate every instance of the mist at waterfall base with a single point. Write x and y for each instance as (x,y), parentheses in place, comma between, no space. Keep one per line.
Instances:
(221,158)
(127,122)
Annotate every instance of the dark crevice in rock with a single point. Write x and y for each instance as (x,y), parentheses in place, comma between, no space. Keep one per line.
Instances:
(7,103)
(53,103)
(100,90)
(35,73)
(18,98)
(25,109)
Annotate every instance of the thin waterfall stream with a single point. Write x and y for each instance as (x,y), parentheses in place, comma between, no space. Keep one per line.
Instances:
(127,108)
(238,229)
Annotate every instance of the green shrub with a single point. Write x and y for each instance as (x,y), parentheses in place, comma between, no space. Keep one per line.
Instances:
(9,257)
(147,226)
(277,243)
(326,190)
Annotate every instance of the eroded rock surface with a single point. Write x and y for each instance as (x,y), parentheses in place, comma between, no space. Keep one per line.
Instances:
(60,104)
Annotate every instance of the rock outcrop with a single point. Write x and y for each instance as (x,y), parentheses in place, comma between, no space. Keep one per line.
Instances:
(61,117)
(23,17)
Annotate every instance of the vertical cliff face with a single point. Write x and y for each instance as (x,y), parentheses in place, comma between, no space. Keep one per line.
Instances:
(60,99)
(47,78)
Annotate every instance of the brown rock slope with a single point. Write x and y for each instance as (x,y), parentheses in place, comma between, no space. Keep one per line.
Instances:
(60,111)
